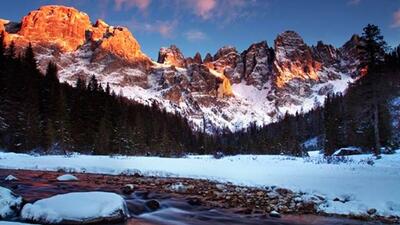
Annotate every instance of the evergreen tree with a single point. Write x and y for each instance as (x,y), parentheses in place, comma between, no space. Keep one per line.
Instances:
(374,50)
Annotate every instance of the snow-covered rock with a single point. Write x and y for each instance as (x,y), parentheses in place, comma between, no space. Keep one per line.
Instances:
(10,178)
(10,204)
(178,187)
(67,177)
(128,189)
(274,214)
(348,151)
(79,207)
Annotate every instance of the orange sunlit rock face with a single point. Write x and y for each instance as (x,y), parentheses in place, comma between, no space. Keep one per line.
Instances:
(69,29)
(120,42)
(294,59)
(2,23)
(60,25)
(297,70)
(99,29)
(225,88)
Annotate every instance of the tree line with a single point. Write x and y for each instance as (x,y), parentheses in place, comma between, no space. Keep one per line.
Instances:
(38,113)
(361,117)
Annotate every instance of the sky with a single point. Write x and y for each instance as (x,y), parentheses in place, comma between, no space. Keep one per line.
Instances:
(207,25)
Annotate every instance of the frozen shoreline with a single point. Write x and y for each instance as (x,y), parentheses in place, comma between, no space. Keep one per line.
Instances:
(360,185)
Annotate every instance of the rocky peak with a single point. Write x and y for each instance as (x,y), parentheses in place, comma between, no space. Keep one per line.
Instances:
(224,61)
(197,58)
(352,55)
(289,45)
(255,65)
(351,47)
(294,59)
(70,31)
(64,26)
(119,42)
(224,52)
(171,56)
(208,58)
(325,53)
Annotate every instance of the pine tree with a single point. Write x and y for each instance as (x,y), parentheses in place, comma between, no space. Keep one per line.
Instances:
(374,50)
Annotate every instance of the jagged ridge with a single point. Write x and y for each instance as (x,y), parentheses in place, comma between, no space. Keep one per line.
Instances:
(229,89)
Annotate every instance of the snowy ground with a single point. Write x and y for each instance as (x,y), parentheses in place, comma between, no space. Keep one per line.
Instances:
(360,185)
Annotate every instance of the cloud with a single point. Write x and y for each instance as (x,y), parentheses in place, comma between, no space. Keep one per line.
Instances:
(353,2)
(396,19)
(195,35)
(203,8)
(225,11)
(165,28)
(128,4)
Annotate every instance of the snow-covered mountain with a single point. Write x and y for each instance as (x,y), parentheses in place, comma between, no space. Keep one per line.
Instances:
(227,90)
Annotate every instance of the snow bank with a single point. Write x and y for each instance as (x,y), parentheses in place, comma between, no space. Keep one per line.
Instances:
(14,223)
(9,203)
(76,207)
(365,186)
(67,177)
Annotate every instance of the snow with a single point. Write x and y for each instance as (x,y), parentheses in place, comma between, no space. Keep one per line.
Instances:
(347,151)
(14,223)
(249,103)
(77,207)
(311,143)
(67,177)
(8,203)
(10,178)
(366,186)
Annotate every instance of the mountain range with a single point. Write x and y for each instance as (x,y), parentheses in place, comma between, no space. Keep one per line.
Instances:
(229,89)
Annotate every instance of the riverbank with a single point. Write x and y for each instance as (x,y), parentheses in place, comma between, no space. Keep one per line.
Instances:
(353,185)
(242,205)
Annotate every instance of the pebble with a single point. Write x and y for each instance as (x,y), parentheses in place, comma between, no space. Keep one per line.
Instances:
(128,189)
(153,205)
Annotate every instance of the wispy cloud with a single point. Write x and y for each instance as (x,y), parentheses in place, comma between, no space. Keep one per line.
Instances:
(203,8)
(128,4)
(353,2)
(396,19)
(221,10)
(166,29)
(195,35)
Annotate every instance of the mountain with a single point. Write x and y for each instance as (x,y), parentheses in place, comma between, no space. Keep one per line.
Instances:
(229,89)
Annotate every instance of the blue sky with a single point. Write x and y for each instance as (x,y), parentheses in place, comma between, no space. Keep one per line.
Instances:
(207,25)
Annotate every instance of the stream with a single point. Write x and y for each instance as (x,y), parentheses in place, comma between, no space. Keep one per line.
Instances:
(170,209)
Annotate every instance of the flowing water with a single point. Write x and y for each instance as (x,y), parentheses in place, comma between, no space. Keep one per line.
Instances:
(172,210)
